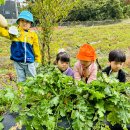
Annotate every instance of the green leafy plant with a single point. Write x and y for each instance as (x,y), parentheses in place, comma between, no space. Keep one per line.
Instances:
(45,99)
(1,125)
(6,97)
(2,2)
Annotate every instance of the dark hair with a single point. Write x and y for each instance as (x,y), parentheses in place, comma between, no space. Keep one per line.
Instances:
(32,24)
(62,56)
(117,55)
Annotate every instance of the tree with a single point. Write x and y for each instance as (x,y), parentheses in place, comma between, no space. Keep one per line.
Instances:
(2,2)
(49,12)
(99,10)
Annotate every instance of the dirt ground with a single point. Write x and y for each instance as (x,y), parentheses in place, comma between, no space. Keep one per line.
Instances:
(7,74)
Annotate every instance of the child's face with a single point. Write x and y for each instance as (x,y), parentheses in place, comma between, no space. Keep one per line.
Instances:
(62,65)
(116,66)
(85,64)
(24,24)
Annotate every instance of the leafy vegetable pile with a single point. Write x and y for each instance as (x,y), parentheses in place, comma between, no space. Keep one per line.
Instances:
(42,101)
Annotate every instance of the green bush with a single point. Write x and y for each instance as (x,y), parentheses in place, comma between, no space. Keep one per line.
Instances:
(52,95)
(99,10)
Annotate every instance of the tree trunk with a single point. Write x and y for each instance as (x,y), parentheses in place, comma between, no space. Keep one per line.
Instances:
(43,52)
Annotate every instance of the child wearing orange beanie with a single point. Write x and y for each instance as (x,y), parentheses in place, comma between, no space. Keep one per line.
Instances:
(85,68)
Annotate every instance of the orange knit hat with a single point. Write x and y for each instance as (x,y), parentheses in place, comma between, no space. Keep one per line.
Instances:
(86,53)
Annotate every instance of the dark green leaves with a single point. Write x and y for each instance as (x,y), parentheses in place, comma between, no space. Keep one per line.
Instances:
(43,100)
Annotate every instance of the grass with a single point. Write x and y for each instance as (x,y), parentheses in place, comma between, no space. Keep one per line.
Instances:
(103,38)
(6,64)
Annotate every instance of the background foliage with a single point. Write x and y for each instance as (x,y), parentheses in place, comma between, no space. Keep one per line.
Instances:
(99,10)
(2,2)
(48,12)
(87,10)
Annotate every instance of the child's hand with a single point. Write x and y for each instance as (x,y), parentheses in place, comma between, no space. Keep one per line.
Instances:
(3,21)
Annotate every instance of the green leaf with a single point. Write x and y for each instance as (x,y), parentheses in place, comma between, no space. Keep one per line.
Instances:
(89,123)
(54,101)
(75,114)
(107,91)
(62,112)
(1,118)
(101,110)
(1,126)
(49,111)
(78,125)
(2,2)
(96,94)
(112,118)
(9,95)
(82,118)
(50,123)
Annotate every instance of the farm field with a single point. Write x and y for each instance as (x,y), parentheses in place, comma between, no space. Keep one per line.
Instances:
(104,38)
(70,96)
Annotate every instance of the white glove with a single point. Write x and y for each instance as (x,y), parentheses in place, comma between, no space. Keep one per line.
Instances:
(13,30)
(61,50)
(36,64)
(3,21)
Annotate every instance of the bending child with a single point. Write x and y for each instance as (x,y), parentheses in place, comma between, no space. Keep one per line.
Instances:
(25,47)
(116,61)
(85,68)
(63,61)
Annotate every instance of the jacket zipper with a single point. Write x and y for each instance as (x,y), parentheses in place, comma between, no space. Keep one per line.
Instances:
(25,48)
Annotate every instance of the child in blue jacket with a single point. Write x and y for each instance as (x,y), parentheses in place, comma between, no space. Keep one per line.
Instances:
(25,51)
